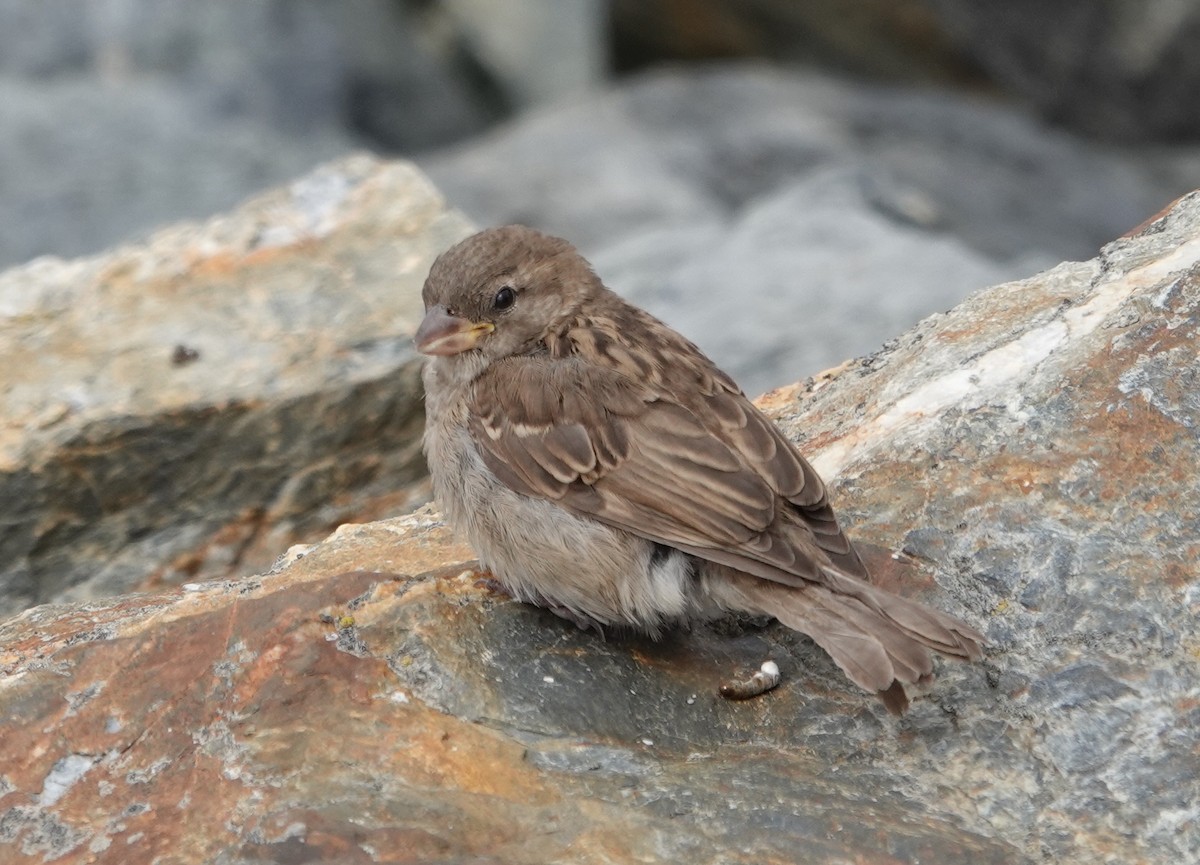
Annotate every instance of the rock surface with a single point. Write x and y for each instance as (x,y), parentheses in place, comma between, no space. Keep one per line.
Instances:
(721,198)
(191,406)
(1114,69)
(901,40)
(102,103)
(1117,69)
(1026,460)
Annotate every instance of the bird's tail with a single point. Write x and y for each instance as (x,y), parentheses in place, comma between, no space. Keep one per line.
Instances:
(881,641)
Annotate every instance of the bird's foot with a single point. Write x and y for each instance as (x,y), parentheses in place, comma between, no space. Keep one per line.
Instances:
(579,620)
(487,581)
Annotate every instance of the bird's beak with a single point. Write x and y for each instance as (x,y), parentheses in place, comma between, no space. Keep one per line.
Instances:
(444,334)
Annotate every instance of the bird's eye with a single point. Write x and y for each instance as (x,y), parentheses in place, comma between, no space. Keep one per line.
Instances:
(504,298)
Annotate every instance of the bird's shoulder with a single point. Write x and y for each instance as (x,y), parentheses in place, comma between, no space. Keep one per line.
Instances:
(627,340)
(613,363)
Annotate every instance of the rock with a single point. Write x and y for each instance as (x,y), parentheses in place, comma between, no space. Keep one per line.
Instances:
(1025,460)
(120,117)
(191,406)
(1116,69)
(333,712)
(115,171)
(276,60)
(797,280)
(412,82)
(1119,69)
(537,50)
(754,190)
(901,40)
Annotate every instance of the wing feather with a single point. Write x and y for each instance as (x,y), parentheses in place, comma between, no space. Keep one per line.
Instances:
(715,478)
(573,449)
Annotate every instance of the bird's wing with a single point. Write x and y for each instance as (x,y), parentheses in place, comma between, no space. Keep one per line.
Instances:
(714,478)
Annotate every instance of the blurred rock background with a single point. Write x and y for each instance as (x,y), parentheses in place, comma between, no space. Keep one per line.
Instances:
(721,161)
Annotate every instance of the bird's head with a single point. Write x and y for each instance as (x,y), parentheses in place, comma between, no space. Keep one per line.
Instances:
(501,292)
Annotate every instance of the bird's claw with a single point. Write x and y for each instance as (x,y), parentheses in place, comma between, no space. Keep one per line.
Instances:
(579,620)
(490,584)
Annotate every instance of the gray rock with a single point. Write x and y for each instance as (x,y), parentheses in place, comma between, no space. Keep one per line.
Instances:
(135,154)
(1116,69)
(539,50)
(280,62)
(797,279)
(901,40)
(117,117)
(1032,450)
(191,406)
(747,189)
(1120,69)
(411,82)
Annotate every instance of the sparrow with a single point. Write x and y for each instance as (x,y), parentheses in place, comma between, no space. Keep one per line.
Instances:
(603,467)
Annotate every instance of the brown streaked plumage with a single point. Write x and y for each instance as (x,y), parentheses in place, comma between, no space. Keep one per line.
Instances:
(603,467)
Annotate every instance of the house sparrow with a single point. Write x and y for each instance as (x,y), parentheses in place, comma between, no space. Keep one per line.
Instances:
(602,466)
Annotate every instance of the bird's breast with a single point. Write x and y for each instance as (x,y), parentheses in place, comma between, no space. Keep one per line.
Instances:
(545,554)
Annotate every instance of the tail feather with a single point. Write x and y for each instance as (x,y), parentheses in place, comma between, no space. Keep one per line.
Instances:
(940,631)
(881,641)
(859,654)
(911,661)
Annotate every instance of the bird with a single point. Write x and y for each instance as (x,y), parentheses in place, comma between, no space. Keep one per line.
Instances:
(601,466)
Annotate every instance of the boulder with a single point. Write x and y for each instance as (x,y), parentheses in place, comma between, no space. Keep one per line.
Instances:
(1026,460)
(1116,69)
(88,164)
(722,197)
(901,40)
(191,406)
(119,118)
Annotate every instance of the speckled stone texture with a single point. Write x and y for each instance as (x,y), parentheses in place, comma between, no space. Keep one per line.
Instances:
(1027,460)
(192,405)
